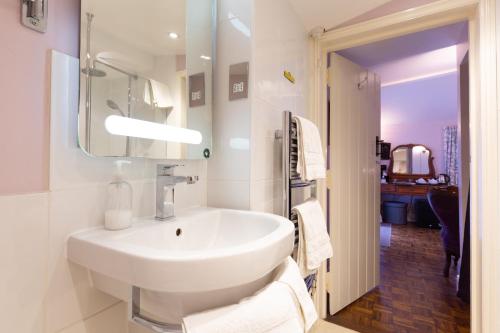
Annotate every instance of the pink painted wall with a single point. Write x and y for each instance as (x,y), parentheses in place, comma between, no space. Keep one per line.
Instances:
(25,92)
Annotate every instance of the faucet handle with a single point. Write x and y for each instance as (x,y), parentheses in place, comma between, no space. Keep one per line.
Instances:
(166,169)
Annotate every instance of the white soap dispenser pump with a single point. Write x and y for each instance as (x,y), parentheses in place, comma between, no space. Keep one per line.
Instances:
(118,213)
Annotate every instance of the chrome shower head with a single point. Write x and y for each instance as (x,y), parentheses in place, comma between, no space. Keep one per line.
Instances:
(94,72)
(113,106)
(89,70)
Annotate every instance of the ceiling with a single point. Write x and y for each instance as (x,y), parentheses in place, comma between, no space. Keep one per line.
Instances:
(330,13)
(406,46)
(428,64)
(413,56)
(144,24)
(429,100)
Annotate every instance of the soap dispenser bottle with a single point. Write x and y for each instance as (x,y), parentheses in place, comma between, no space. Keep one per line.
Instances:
(118,213)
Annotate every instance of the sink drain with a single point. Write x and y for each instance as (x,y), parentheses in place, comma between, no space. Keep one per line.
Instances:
(178,232)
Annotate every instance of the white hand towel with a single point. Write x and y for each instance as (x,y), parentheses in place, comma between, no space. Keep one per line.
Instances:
(311,161)
(289,274)
(314,241)
(284,306)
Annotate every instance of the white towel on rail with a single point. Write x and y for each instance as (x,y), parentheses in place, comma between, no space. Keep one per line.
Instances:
(284,306)
(311,161)
(314,242)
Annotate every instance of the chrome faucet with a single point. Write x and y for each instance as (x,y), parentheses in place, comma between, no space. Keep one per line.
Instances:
(165,190)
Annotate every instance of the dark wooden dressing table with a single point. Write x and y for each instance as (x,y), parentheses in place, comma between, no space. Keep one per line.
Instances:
(408,163)
(403,189)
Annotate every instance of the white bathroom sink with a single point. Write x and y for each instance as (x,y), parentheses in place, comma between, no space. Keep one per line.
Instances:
(202,250)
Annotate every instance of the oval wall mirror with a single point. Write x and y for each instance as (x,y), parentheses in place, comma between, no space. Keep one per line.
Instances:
(410,162)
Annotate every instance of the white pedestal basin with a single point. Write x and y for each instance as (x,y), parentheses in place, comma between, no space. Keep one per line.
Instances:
(203,259)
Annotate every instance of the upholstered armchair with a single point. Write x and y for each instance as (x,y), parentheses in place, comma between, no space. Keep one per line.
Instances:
(444,203)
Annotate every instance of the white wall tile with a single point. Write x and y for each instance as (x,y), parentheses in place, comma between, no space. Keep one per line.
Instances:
(70,295)
(229,166)
(230,9)
(280,43)
(229,194)
(262,196)
(266,150)
(23,254)
(267,196)
(110,320)
(191,195)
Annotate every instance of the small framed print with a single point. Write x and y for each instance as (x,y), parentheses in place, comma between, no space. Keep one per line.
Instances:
(197,90)
(238,81)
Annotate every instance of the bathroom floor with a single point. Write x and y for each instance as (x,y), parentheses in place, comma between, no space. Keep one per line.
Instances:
(322,326)
(413,296)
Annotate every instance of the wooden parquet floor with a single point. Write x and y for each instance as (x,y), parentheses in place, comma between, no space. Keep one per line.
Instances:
(413,296)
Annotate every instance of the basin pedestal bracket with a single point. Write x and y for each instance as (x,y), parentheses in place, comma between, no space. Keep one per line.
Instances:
(149,323)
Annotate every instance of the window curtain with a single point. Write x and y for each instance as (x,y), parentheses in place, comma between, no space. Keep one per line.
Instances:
(451,153)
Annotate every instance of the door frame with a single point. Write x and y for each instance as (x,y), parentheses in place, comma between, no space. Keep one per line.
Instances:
(484,127)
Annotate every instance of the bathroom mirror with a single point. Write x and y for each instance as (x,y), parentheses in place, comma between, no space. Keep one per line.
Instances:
(146,78)
(410,162)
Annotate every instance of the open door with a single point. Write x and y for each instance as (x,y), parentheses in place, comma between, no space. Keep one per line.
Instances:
(353,182)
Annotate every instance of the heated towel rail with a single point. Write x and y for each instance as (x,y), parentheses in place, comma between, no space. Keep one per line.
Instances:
(294,188)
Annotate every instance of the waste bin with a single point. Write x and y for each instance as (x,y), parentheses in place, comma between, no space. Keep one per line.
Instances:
(394,212)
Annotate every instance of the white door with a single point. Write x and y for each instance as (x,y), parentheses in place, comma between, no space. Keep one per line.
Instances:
(353,181)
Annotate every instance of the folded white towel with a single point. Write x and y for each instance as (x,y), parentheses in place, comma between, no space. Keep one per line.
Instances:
(314,241)
(284,306)
(311,161)
(289,274)
(272,310)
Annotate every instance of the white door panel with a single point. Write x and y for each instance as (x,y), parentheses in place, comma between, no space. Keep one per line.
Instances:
(354,185)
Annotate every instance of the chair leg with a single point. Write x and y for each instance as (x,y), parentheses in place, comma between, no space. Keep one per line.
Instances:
(446,270)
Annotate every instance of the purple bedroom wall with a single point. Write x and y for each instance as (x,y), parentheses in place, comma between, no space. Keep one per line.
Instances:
(415,112)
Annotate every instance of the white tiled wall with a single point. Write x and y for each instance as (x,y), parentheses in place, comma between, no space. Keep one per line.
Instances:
(24,242)
(280,43)
(41,290)
(229,166)
(270,36)
(70,296)
(112,320)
